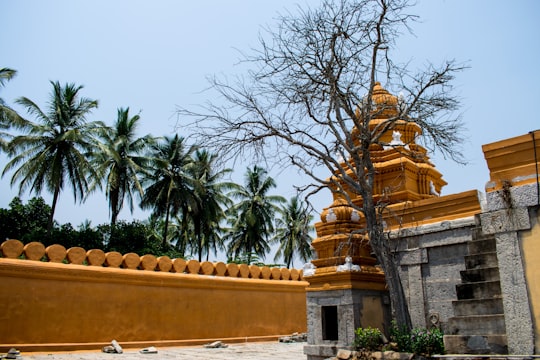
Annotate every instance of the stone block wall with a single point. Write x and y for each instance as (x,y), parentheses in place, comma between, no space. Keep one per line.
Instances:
(350,309)
(431,258)
(57,299)
(512,217)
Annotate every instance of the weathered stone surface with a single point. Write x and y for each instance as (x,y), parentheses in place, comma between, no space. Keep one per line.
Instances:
(320,351)
(413,257)
(515,295)
(344,354)
(521,196)
(505,220)
(215,345)
(117,347)
(296,337)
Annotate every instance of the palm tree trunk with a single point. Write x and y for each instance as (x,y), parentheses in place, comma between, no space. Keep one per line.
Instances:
(197,228)
(114,208)
(166,227)
(53,208)
(199,245)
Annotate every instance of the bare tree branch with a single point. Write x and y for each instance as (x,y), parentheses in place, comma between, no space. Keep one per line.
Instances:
(312,100)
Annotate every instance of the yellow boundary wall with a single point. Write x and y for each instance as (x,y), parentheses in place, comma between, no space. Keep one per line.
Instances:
(61,304)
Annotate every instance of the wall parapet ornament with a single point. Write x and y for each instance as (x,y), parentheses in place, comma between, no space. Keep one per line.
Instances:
(36,251)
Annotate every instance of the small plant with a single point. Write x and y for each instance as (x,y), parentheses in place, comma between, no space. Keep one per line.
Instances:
(369,339)
(418,341)
(427,342)
(401,337)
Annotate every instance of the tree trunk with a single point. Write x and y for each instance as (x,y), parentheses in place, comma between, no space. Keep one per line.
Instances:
(114,208)
(166,228)
(53,208)
(393,279)
(381,247)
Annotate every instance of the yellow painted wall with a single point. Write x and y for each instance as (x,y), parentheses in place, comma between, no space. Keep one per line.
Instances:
(531,257)
(55,306)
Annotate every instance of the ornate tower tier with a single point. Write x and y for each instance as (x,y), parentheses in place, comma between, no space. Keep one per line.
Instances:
(403,174)
(347,289)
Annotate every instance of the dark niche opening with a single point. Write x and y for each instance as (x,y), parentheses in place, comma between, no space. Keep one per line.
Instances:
(329,323)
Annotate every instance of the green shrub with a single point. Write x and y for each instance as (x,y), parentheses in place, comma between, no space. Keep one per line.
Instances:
(401,337)
(368,339)
(418,341)
(427,342)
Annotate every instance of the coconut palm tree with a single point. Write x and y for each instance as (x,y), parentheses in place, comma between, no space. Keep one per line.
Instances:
(53,151)
(211,202)
(168,184)
(8,116)
(6,74)
(121,160)
(293,232)
(252,218)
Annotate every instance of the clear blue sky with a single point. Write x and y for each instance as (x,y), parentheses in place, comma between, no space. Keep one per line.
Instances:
(155,55)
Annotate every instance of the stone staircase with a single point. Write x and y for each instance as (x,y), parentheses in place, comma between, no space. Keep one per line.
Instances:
(478,325)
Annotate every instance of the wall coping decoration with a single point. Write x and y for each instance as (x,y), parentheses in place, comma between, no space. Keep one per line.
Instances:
(114,261)
(513,160)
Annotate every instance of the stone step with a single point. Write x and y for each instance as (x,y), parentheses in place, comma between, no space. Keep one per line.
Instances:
(484,260)
(478,234)
(481,274)
(477,325)
(482,246)
(478,290)
(478,307)
(474,344)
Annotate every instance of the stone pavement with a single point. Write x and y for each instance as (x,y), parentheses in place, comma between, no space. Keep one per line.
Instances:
(244,351)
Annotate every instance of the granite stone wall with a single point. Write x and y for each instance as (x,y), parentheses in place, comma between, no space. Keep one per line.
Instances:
(431,258)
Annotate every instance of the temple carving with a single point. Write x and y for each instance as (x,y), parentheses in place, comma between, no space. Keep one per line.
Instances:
(403,175)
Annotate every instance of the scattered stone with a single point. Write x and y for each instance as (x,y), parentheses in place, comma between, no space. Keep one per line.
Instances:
(114,348)
(13,354)
(108,349)
(294,338)
(344,354)
(117,346)
(215,345)
(149,350)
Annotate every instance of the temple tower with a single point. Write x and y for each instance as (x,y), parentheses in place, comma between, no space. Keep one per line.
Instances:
(347,289)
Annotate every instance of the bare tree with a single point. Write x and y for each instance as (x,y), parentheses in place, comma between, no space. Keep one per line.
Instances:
(308,101)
